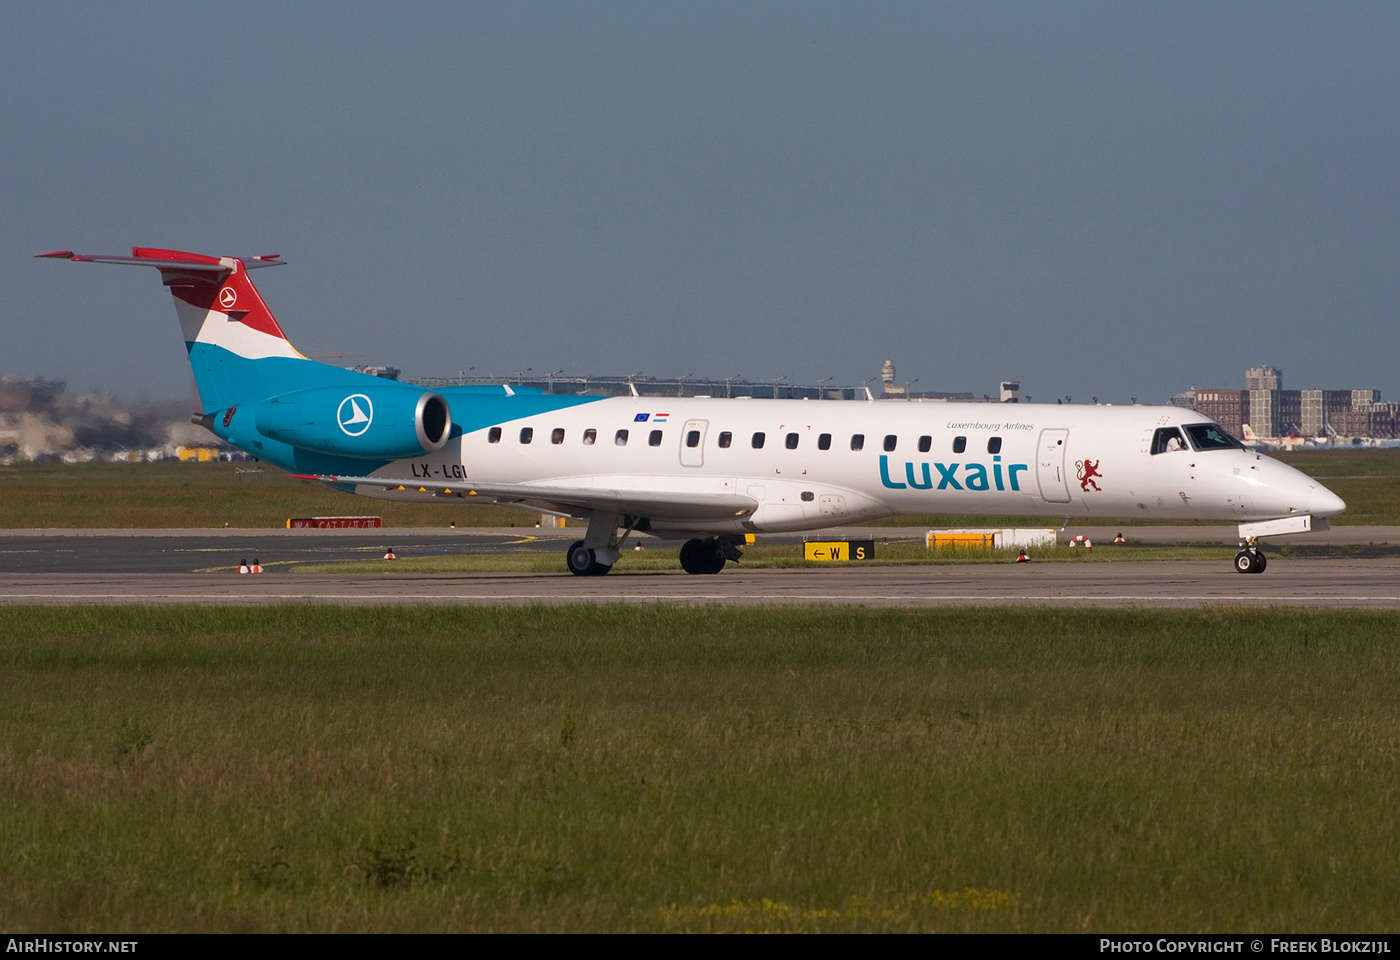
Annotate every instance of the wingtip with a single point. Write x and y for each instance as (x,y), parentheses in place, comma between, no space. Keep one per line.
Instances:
(56,255)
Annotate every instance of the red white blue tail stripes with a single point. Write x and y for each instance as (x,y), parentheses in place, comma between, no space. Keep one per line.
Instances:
(216,302)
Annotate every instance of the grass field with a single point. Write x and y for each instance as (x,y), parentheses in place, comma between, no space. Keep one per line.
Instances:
(168,494)
(172,494)
(625,768)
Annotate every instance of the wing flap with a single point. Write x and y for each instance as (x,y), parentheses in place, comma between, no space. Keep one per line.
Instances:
(572,500)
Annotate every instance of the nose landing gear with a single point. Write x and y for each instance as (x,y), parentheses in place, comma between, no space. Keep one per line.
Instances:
(1251,559)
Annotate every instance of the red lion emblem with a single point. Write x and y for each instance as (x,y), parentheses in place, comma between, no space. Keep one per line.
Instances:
(1087,470)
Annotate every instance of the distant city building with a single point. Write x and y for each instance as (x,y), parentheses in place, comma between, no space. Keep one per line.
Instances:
(1263,378)
(1272,411)
(1229,408)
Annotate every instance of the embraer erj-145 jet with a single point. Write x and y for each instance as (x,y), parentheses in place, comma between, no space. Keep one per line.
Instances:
(707,469)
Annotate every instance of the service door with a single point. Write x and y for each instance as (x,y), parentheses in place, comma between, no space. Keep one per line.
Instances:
(1050,466)
(693,443)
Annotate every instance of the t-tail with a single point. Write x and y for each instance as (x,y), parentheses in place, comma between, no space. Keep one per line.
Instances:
(259,393)
(228,328)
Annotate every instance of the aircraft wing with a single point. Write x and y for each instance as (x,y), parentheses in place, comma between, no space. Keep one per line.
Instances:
(575,501)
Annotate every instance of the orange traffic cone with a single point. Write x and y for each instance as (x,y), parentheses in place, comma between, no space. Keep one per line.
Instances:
(257,567)
(243,565)
(389,554)
(1119,538)
(1023,558)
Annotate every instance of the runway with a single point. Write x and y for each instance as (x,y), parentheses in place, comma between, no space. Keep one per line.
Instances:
(221,550)
(1361,584)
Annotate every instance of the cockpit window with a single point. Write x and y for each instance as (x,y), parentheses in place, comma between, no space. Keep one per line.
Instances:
(1168,440)
(1210,436)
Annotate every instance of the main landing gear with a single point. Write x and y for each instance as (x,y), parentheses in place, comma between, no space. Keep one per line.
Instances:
(708,556)
(1251,559)
(595,554)
(583,562)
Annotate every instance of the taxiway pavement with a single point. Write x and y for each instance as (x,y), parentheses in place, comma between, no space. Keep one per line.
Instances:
(1372,583)
(221,550)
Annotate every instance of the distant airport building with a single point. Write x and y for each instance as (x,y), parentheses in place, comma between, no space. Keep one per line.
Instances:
(388,373)
(888,387)
(780,388)
(1272,411)
(605,385)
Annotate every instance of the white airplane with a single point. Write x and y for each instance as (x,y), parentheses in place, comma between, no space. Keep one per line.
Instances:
(708,469)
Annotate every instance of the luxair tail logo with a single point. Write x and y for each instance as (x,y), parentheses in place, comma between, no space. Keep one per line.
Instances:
(973,476)
(355,414)
(1086,471)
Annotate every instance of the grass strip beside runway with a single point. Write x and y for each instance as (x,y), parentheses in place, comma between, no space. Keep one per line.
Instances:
(171,494)
(646,768)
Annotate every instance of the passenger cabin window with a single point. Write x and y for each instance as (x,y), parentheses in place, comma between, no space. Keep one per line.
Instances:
(994,445)
(620,438)
(857,441)
(890,441)
(692,438)
(654,439)
(824,442)
(1168,440)
(925,444)
(725,439)
(791,441)
(590,437)
(1211,436)
(494,435)
(758,441)
(557,436)
(527,434)
(959,444)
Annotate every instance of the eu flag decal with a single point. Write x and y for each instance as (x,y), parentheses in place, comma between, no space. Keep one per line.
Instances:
(641,418)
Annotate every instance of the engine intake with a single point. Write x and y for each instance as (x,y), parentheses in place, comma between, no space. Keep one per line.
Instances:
(371,422)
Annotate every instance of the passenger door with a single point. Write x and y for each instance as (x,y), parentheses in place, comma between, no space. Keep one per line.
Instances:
(693,443)
(1050,465)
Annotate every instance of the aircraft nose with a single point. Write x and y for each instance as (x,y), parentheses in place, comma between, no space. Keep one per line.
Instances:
(1324,503)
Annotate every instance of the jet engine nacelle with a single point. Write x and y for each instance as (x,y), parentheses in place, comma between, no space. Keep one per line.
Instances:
(374,422)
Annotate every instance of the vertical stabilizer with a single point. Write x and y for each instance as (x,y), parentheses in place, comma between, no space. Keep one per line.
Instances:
(238,351)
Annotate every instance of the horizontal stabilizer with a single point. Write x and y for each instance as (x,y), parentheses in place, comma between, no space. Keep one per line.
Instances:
(166,260)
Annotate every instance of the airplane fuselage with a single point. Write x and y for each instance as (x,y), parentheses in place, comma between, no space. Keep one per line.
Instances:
(808,464)
(711,467)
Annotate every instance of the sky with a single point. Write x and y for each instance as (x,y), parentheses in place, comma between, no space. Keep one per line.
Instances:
(1100,199)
